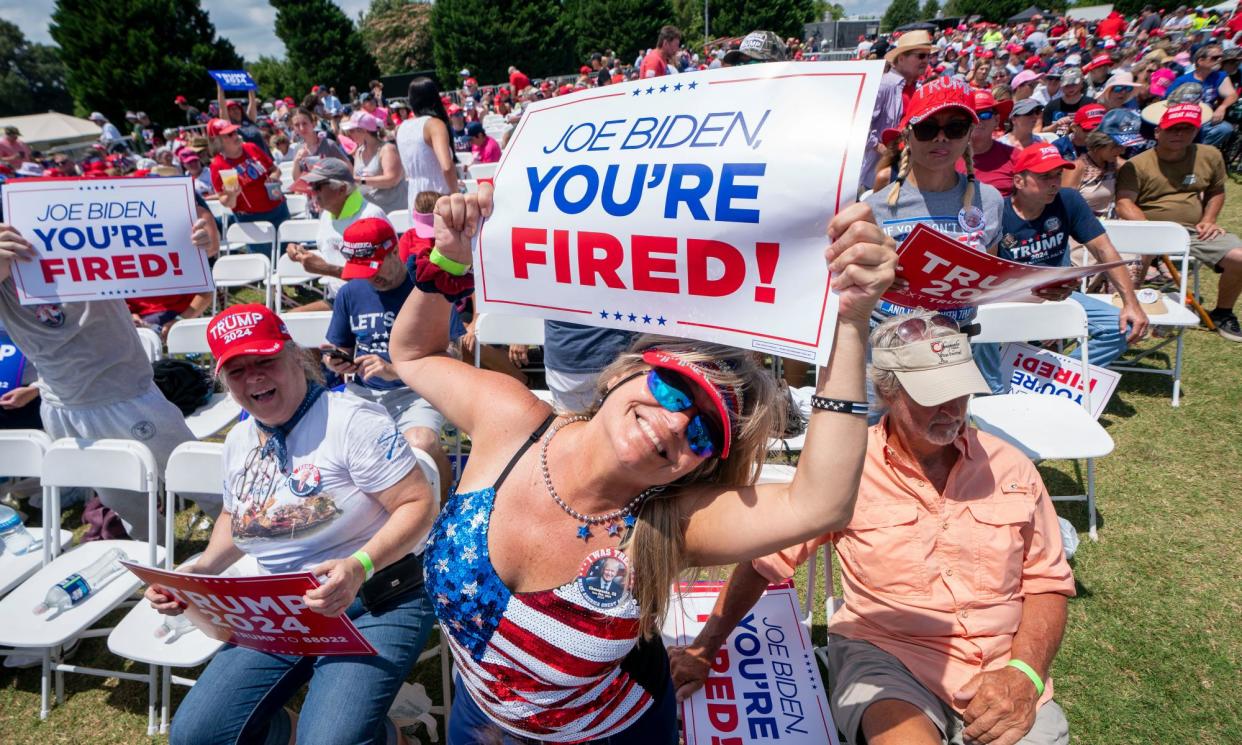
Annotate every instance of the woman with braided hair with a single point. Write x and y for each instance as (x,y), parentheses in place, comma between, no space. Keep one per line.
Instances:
(928,189)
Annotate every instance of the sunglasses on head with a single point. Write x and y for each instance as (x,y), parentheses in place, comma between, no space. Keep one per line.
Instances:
(928,129)
(916,329)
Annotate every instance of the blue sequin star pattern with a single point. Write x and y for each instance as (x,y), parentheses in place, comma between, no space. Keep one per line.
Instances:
(459,571)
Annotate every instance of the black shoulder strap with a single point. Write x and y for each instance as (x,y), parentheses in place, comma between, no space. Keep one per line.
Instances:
(534,437)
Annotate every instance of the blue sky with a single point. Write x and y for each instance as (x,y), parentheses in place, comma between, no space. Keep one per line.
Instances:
(250,24)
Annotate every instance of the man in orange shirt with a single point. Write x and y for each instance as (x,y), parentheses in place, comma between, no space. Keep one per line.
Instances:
(658,60)
(955,580)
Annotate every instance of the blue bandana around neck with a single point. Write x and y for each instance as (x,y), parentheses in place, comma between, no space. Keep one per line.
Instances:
(276,436)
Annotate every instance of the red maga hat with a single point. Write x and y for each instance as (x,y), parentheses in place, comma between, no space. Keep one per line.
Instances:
(1182,113)
(365,245)
(1090,116)
(246,329)
(1040,157)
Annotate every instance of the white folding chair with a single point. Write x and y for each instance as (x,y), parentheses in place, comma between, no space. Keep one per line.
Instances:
(286,176)
(298,205)
(300,230)
(221,213)
(243,270)
(469,186)
(289,273)
(151,342)
(21,457)
(309,329)
(1043,427)
(465,158)
(189,336)
(401,221)
(106,464)
(480,171)
(492,328)
(194,467)
(242,234)
(1157,239)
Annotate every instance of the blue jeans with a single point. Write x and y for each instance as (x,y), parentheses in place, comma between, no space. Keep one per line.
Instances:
(1216,134)
(1108,341)
(274,216)
(468,724)
(241,695)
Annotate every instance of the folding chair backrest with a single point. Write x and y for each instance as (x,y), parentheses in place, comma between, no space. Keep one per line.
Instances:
(465,159)
(100,464)
(242,268)
(219,211)
(287,268)
(1152,238)
(492,328)
(1148,238)
(469,185)
(297,203)
(151,342)
(195,467)
(22,451)
(189,336)
(304,230)
(401,220)
(251,232)
(480,171)
(1006,322)
(308,329)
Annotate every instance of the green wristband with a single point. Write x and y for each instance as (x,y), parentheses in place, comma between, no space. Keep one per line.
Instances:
(369,567)
(455,268)
(1030,673)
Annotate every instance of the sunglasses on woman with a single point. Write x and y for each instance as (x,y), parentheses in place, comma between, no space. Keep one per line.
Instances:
(928,129)
(675,393)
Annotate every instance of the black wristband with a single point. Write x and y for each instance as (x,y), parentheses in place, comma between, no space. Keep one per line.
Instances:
(861,408)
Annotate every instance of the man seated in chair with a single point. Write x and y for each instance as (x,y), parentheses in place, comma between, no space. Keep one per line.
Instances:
(954,576)
(1184,183)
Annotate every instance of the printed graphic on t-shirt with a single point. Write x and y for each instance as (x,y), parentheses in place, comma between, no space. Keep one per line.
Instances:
(273,506)
(605,577)
(50,315)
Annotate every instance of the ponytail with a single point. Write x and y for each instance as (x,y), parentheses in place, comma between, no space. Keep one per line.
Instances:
(903,171)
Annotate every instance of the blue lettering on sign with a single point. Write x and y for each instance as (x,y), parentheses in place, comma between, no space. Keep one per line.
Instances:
(234,80)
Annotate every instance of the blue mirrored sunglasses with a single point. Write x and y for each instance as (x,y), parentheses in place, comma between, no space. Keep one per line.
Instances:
(675,393)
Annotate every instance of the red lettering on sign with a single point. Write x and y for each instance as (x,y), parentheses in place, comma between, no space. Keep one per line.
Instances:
(719,687)
(701,254)
(645,263)
(723,716)
(605,267)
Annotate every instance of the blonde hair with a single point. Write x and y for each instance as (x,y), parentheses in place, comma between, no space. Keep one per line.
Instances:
(657,543)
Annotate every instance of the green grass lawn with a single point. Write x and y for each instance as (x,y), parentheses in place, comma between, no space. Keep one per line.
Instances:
(1153,648)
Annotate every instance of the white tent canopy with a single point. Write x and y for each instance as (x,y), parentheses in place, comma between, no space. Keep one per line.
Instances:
(53,130)
(1089,13)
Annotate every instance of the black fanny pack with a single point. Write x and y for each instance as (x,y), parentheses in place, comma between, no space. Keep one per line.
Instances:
(393,581)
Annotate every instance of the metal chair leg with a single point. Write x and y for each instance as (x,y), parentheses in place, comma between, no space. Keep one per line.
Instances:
(1091,524)
(45,685)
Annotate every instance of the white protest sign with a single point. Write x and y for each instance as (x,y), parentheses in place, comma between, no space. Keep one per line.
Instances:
(764,684)
(102,239)
(1031,369)
(694,205)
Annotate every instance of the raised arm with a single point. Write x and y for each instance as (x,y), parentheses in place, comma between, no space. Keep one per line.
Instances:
(732,525)
(480,402)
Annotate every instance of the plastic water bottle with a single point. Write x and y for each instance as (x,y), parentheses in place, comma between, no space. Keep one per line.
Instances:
(14,537)
(75,588)
(173,628)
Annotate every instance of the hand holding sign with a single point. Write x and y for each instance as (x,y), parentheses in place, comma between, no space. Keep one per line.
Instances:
(13,246)
(862,260)
(233,80)
(342,577)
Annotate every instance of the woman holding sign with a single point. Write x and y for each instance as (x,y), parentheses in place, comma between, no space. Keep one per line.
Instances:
(558,639)
(321,482)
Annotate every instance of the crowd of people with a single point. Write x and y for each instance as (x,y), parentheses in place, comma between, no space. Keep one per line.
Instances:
(1014,139)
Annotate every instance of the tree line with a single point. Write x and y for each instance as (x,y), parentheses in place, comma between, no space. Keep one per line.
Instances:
(117,55)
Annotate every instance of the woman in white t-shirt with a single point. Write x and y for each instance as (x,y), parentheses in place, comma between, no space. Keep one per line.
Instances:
(321,482)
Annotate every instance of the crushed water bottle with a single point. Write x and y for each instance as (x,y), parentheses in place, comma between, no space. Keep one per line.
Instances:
(14,538)
(75,588)
(174,627)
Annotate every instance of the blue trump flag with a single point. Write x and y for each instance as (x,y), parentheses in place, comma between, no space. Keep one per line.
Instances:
(234,80)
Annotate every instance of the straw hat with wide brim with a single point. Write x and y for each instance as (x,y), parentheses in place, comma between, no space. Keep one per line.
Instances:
(1153,112)
(911,41)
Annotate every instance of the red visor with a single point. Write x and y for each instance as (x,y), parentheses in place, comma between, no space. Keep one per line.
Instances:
(728,401)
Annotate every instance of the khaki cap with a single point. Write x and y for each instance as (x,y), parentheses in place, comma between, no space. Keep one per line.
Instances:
(933,371)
